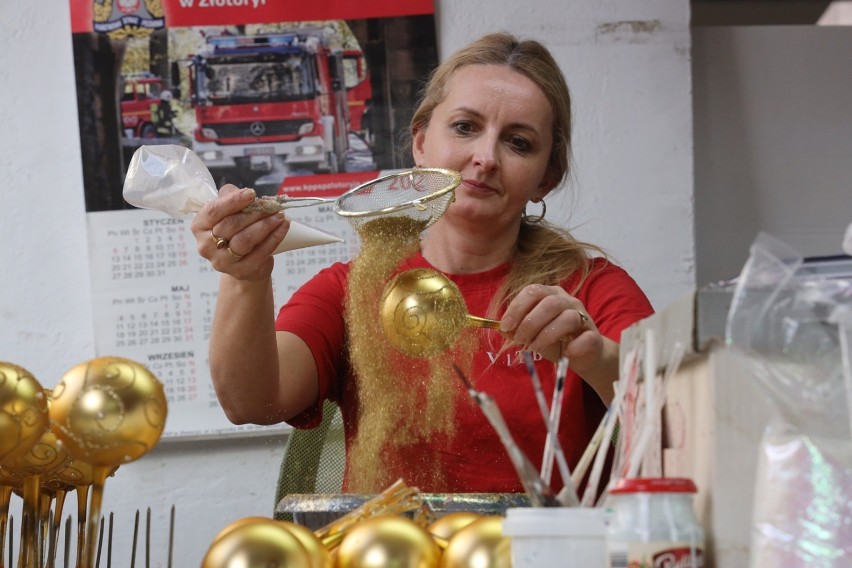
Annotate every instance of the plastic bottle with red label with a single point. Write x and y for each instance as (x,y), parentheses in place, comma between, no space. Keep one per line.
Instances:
(652,524)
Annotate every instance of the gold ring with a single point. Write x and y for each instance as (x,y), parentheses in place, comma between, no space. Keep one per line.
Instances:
(235,255)
(220,242)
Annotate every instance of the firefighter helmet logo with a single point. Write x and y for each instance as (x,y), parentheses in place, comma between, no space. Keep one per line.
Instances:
(120,19)
(257,128)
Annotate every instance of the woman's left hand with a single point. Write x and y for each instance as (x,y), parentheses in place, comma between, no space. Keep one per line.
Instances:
(548,320)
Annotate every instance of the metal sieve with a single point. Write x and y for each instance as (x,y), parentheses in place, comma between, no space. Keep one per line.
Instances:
(422,194)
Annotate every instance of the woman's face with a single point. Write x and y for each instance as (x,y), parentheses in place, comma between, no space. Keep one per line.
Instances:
(495,127)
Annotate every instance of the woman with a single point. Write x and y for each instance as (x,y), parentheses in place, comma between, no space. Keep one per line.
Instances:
(497,111)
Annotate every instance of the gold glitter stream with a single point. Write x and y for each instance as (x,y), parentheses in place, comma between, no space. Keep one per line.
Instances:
(392,414)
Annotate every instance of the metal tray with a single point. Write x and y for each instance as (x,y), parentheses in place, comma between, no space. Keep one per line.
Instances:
(317,510)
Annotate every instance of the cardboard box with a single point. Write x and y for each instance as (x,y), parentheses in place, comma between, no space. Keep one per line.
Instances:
(713,419)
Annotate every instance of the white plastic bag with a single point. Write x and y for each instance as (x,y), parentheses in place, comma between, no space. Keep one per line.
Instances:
(173,179)
(803,493)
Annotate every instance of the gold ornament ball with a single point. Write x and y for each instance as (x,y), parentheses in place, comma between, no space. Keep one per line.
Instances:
(11,479)
(451,523)
(256,543)
(422,312)
(319,555)
(239,523)
(74,474)
(23,413)
(388,542)
(480,544)
(45,457)
(108,411)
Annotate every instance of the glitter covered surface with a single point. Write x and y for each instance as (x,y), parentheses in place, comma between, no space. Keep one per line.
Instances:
(803,501)
(315,511)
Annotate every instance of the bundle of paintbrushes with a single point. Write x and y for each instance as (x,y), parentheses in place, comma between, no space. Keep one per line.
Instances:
(632,422)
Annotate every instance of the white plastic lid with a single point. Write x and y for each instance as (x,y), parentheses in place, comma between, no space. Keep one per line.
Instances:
(554,521)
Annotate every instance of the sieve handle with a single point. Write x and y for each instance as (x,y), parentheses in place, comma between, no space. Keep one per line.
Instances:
(477,321)
(273,204)
(288,202)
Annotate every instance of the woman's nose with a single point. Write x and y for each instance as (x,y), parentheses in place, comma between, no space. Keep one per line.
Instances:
(485,153)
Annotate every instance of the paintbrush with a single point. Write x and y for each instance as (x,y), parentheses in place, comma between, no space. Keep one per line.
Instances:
(555,417)
(570,494)
(540,494)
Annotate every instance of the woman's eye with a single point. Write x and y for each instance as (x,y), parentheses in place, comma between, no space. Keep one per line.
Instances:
(462,127)
(520,144)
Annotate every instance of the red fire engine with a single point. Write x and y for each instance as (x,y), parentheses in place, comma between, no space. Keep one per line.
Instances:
(271,97)
(141,91)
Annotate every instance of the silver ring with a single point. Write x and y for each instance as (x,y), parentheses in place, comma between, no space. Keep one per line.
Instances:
(584,319)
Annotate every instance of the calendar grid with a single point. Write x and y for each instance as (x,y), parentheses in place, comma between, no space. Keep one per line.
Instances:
(154,299)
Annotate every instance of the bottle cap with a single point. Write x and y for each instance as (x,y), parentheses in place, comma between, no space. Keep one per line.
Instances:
(654,485)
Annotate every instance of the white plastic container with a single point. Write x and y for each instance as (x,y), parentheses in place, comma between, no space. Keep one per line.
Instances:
(556,536)
(652,523)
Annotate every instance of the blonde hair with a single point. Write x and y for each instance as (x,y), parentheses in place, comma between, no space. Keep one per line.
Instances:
(544,253)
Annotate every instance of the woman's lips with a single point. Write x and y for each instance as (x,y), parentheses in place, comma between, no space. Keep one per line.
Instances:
(478,186)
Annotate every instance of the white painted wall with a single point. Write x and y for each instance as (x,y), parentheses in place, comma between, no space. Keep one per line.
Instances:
(773,141)
(628,66)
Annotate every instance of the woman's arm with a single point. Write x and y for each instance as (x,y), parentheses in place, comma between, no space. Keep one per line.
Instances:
(260,376)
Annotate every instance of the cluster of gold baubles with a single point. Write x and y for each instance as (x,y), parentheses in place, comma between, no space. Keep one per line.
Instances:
(456,540)
(103,413)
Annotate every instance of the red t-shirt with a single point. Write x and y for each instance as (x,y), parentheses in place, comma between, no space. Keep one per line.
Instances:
(474,459)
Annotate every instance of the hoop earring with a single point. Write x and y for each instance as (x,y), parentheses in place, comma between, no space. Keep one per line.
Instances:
(534,219)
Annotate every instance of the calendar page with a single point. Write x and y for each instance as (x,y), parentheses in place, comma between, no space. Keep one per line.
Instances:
(304,98)
(154,298)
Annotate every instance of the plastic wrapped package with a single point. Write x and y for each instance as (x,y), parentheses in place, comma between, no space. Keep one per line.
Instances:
(795,327)
(174,180)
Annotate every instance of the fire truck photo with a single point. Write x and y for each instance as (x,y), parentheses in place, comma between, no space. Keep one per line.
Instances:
(272,100)
(140,94)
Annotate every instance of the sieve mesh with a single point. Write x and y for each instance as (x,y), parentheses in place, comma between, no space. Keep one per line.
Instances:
(422,194)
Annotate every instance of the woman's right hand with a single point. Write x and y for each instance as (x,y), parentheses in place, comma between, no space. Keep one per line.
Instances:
(237,243)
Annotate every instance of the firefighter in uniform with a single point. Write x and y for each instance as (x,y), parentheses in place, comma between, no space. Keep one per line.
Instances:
(162,115)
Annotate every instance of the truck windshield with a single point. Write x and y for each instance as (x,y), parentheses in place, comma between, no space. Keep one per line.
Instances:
(230,81)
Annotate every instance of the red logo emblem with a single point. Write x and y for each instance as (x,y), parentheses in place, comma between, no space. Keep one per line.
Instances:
(679,558)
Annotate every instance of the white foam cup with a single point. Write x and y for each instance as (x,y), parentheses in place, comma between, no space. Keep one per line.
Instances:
(556,536)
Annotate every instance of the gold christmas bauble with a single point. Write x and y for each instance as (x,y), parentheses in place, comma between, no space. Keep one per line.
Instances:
(11,479)
(319,555)
(23,413)
(45,457)
(239,523)
(256,542)
(422,312)
(388,542)
(451,523)
(108,411)
(74,474)
(480,544)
